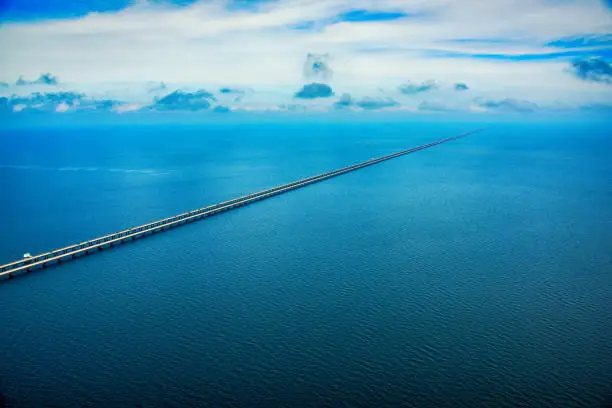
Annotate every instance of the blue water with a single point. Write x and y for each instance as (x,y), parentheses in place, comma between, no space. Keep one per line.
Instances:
(477,273)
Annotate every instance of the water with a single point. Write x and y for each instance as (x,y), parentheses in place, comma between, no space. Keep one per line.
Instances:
(475,273)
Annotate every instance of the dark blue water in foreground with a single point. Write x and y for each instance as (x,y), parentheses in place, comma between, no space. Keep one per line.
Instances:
(477,273)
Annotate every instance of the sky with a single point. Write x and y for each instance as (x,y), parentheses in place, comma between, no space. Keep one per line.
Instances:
(480,56)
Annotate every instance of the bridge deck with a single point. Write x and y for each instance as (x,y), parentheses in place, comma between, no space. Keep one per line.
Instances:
(72,251)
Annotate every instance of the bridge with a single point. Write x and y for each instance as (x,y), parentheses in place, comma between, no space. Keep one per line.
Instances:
(57,256)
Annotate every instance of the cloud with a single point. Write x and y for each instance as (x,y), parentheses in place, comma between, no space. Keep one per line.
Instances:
(62,107)
(460,86)
(153,87)
(545,55)
(509,105)
(595,70)
(221,109)
(127,107)
(231,91)
(4,85)
(314,90)
(345,101)
(373,44)
(182,100)
(59,102)
(351,16)
(305,25)
(316,67)
(102,104)
(605,108)
(582,41)
(433,107)
(233,95)
(206,43)
(47,100)
(43,79)
(376,103)
(292,107)
(369,103)
(414,88)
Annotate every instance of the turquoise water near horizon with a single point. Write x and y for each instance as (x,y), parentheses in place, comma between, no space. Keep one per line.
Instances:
(475,273)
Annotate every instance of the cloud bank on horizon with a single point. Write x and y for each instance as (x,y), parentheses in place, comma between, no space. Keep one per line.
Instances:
(322,55)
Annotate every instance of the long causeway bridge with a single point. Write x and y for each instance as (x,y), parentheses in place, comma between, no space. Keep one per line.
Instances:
(57,256)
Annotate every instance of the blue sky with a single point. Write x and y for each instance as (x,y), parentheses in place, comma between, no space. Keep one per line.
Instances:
(20,10)
(544,53)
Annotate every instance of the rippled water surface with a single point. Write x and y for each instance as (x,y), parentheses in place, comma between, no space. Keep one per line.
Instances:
(477,273)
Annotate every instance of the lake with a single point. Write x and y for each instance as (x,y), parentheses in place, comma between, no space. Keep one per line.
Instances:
(476,273)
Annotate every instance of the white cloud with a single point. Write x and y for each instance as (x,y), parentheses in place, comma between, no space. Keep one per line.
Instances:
(208,45)
(127,108)
(62,107)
